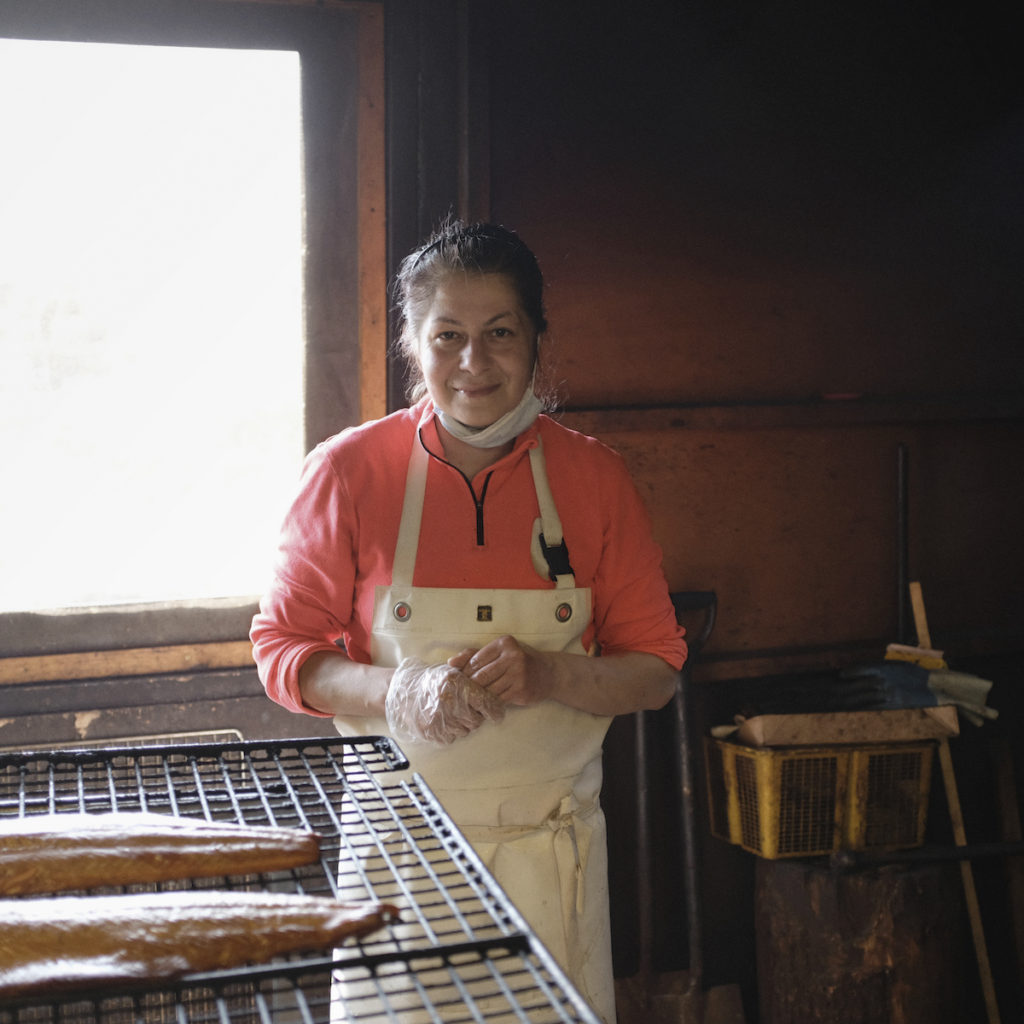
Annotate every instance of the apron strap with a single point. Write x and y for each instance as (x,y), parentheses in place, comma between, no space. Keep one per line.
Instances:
(552,541)
(412,515)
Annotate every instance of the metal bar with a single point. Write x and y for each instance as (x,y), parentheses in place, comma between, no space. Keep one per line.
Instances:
(707,602)
(902,544)
(851,859)
(645,894)
(691,869)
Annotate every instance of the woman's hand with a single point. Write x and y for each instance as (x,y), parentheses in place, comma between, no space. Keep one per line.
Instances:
(511,671)
(436,704)
(616,684)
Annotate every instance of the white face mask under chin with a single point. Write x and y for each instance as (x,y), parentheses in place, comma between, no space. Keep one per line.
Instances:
(501,431)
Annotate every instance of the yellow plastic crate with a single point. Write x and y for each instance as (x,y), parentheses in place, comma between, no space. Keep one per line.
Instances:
(809,801)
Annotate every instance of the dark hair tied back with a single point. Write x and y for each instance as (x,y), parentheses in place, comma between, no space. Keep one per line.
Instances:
(457,247)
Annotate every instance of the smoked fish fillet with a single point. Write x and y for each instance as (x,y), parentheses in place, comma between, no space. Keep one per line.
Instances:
(51,853)
(73,943)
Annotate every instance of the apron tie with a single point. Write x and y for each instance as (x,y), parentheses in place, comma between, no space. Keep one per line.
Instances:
(570,836)
(563,822)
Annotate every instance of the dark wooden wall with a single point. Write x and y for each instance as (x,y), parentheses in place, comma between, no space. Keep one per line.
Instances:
(782,241)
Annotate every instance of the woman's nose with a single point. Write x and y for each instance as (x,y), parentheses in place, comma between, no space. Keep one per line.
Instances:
(475,354)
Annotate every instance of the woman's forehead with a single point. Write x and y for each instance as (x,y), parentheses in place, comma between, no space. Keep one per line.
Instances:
(460,297)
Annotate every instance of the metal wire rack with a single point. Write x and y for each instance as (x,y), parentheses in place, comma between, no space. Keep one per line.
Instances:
(462,952)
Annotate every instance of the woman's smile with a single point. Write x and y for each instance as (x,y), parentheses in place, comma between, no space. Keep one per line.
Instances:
(475,390)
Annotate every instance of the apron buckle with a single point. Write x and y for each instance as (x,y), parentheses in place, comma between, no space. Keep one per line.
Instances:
(557,557)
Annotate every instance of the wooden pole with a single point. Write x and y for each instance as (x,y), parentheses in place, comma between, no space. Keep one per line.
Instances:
(970,892)
(924,641)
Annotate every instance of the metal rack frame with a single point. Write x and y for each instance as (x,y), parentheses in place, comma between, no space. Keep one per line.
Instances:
(461,953)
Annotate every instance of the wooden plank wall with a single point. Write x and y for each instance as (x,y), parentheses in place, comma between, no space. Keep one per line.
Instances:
(779,245)
(781,241)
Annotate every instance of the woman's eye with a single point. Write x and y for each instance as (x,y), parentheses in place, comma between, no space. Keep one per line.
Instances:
(502,332)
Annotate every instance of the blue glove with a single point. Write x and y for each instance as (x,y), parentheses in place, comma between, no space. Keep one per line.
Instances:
(896,684)
(902,684)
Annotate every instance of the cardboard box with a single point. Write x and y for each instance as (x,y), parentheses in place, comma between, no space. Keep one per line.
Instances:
(841,727)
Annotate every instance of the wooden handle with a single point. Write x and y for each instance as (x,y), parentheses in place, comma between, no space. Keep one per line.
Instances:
(924,638)
(967,875)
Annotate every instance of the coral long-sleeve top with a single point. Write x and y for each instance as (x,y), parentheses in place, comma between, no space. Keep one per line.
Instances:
(338,542)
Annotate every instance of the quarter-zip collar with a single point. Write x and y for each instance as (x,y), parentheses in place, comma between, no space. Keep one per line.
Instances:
(429,437)
(431,440)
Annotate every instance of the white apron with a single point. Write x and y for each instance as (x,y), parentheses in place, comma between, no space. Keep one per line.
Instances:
(525,791)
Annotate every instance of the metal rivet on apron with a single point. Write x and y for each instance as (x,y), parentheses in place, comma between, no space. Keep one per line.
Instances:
(402,612)
(563,612)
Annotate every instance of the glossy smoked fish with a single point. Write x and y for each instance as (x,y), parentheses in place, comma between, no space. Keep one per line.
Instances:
(71,943)
(58,852)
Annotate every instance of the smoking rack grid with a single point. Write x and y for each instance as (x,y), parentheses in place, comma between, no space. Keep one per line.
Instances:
(462,952)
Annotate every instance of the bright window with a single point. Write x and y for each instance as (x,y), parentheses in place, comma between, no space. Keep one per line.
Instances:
(151,335)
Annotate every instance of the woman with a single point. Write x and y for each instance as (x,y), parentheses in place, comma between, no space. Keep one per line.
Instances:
(474,556)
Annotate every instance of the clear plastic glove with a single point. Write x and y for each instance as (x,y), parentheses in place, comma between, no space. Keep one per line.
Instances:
(436,703)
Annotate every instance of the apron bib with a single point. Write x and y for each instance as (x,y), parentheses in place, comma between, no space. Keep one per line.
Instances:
(525,791)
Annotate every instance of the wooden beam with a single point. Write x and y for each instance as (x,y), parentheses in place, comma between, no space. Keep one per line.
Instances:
(371,187)
(136,661)
(793,412)
(330,5)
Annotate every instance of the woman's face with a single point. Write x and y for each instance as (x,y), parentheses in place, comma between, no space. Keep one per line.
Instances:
(476,348)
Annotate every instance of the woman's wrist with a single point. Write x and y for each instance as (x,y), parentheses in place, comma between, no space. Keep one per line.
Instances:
(332,683)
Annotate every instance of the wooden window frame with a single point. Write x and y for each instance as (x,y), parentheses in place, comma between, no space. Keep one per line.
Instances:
(341,46)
